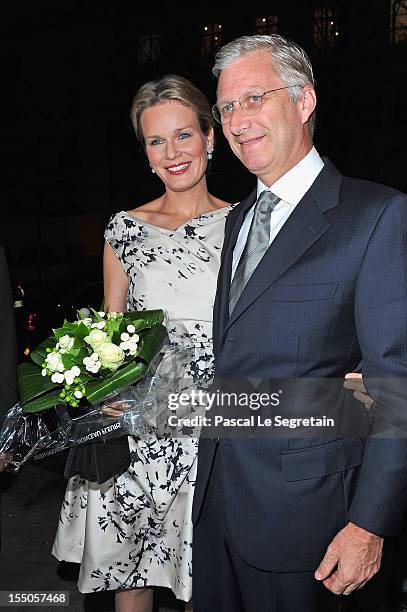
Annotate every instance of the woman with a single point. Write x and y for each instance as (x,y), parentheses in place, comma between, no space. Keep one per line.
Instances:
(134,531)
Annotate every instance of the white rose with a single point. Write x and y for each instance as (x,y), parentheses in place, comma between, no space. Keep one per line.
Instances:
(87,321)
(133,343)
(96,338)
(71,374)
(101,314)
(57,377)
(99,325)
(111,355)
(92,364)
(66,343)
(78,394)
(54,362)
(75,371)
(131,329)
(114,315)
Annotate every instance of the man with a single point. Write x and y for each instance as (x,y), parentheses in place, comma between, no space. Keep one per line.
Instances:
(313,281)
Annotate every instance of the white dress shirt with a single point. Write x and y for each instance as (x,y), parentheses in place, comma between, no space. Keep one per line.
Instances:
(290,188)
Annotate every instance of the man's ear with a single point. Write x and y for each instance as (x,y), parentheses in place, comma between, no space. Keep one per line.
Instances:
(308,102)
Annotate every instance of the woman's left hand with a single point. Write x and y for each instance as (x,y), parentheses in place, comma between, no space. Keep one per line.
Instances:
(114,409)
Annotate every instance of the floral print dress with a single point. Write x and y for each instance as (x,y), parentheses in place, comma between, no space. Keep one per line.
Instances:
(135,530)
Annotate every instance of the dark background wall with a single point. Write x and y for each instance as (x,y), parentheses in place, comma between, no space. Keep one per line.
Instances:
(69,157)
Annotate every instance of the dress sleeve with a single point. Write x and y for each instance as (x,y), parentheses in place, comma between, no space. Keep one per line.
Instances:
(124,235)
(114,235)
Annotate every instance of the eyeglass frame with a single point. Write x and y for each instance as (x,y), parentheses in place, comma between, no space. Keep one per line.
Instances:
(216,109)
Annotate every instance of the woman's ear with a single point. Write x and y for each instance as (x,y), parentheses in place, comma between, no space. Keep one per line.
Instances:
(210,139)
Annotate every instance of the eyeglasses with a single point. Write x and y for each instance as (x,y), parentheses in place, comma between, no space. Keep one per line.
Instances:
(250,103)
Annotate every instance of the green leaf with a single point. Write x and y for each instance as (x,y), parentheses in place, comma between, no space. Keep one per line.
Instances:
(70,360)
(134,371)
(68,329)
(39,354)
(115,383)
(144,318)
(81,331)
(43,403)
(96,316)
(152,343)
(31,383)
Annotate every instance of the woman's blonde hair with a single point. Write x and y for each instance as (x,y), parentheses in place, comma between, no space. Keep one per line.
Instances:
(171,87)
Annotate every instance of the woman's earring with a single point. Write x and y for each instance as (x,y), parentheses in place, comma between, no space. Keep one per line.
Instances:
(210,151)
(152,169)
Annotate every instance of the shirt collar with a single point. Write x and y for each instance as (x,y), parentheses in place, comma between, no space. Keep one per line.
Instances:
(294,184)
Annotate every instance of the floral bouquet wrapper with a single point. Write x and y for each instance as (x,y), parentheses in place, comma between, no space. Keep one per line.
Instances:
(85,366)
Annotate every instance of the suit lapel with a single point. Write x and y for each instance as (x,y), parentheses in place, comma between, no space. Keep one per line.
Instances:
(306,224)
(221,307)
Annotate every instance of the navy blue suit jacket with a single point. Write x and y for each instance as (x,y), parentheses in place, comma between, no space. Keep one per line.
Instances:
(330,292)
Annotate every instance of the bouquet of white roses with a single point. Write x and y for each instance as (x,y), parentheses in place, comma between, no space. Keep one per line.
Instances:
(82,364)
(90,359)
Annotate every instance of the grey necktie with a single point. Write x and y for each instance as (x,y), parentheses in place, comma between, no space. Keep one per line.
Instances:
(257,243)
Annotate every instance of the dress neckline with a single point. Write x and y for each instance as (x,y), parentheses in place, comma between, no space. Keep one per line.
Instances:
(171,231)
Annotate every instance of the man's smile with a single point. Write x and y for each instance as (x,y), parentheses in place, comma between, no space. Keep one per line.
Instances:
(250,141)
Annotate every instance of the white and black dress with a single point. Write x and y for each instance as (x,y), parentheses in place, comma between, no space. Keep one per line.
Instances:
(135,530)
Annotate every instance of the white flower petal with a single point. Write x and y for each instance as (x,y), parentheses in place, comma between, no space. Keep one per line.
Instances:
(57,378)
(69,378)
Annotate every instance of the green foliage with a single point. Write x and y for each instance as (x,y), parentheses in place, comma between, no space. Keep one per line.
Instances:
(68,329)
(31,382)
(43,403)
(39,354)
(131,373)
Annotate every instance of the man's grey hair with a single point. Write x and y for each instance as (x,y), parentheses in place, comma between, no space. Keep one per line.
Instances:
(290,62)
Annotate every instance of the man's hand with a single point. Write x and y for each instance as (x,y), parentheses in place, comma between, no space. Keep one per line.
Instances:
(354,381)
(351,560)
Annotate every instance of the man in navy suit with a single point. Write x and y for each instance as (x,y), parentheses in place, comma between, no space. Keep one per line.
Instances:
(313,281)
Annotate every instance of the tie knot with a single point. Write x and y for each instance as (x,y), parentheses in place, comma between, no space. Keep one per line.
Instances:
(267,201)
